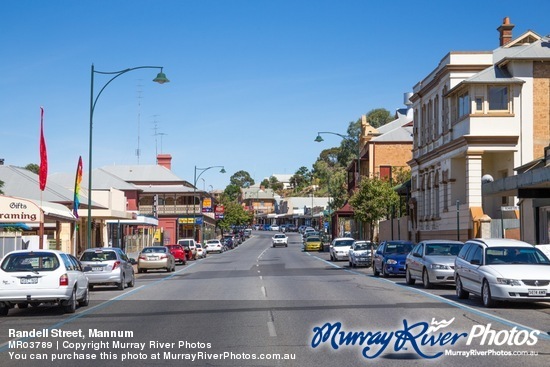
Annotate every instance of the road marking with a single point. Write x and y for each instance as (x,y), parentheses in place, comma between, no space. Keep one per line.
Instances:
(271,328)
(542,335)
(261,278)
(262,288)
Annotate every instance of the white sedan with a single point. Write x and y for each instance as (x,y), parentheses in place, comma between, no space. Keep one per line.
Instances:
(502,269)
(360,254)
(280,240)
(213,246)
(32,277)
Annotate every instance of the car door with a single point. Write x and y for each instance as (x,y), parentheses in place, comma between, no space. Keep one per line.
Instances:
(471,278)
(125,264)
(378,256)
(415,261)
(76,275)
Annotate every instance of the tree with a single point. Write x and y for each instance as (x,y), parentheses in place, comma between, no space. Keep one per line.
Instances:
(1,185)
(378,117)
(33,167)
(275,185)
(232,192)
(349,146)
(241,179)
(301,178)
(372,201)
(265,183)
(234,215)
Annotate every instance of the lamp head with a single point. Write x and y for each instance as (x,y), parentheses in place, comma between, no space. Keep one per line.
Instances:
(161,78)
(318,139)
(222,170)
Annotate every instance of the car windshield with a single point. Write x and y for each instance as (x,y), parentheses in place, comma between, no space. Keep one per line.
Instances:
(30,261)
(443,249)
(515,255)
(313,239)
(212,242)
(98,255)
(362,246)
(343,243)
(279,236)
(398,248)
(150,250)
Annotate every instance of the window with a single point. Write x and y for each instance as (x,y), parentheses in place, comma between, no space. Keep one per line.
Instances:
(479,104)
(463,105)
(498,98)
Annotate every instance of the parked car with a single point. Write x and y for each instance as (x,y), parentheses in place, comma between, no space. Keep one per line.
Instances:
(192,244)
(178,251)
(274,227)
(247,232)
(292,228)
(432,262)
(229,242)
(390,258)
(256,227)
(339,248)
(213,246)
(280,240)
(502,270)
(32,277)
(313,243)
(201,252)
(156,257)
(110,265)
(360,253)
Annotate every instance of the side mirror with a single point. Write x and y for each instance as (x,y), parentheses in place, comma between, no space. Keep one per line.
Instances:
(133,261)
(87,269)
(475,262)
(416,254)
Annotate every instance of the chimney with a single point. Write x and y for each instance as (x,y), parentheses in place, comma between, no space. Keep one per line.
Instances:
(505,31)
(165,160)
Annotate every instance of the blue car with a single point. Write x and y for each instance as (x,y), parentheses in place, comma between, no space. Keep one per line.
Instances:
(390,258)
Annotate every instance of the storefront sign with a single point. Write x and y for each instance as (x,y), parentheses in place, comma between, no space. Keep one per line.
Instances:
(16,210)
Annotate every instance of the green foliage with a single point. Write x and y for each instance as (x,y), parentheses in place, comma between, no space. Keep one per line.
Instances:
(301,179)
(33,167)
(241,179)
(234,215)
(373,200)
(232,192)
(1,185)
(265,183)
(378,117)
(275,185)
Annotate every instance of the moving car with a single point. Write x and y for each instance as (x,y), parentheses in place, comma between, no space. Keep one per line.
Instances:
(390,258)
(156,257)
(502,270)
(432,261)
(339,248)
(213,246)
(280,240)
(360,253)
(110,265)
(313,243)
(32,277)
(179,253)
(274,227)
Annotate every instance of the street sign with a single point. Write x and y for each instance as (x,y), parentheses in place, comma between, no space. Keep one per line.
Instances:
(509,208)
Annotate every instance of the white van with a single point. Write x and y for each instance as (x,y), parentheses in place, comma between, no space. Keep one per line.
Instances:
(192,244)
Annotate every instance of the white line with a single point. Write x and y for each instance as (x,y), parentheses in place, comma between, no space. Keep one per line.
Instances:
(271,328)
(263,291)
(261,278)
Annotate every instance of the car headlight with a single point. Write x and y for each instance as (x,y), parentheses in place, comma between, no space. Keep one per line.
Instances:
(391,262)
(511,282)
(440,267)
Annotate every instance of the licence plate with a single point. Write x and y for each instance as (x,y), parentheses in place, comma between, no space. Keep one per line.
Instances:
(153,258)
(537,292)
(97,268)
(29,280)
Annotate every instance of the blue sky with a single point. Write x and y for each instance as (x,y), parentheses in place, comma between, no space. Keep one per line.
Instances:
(251,81)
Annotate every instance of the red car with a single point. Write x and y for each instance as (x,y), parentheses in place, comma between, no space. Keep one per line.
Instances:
(179,253)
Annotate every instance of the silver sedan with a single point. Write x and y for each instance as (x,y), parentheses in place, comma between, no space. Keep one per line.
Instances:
(156,257)
(432,261)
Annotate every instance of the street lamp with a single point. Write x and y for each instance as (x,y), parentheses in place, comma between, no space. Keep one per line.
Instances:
(161,79)
(319,139)
(196,178)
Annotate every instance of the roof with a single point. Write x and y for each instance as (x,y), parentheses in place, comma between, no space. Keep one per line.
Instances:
(400,134)
(143,173)
(159,189)
(538,50)
(23,183)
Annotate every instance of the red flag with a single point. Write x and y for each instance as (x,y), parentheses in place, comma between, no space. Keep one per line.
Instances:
(43,172)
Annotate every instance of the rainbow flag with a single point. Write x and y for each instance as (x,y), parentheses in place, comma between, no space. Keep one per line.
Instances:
(77,181)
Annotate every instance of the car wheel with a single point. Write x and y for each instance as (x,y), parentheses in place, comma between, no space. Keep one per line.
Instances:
(408,278)
(122,284)
(460,292)
(4,310)
(384,273)
(426,280)
(350,264)
(22,305)
(132,281)
(488,300)
(70,306)
(375,271)
(85,301)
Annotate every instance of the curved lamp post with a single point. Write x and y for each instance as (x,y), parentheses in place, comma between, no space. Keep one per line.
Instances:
(196,178)
(161,79)
(319,139)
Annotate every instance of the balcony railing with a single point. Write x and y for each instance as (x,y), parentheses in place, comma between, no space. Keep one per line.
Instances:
(170,209)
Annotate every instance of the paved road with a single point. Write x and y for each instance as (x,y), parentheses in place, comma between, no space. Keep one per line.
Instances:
(266,303)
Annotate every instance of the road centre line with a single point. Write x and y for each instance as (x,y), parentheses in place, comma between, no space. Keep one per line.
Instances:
(542,335)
